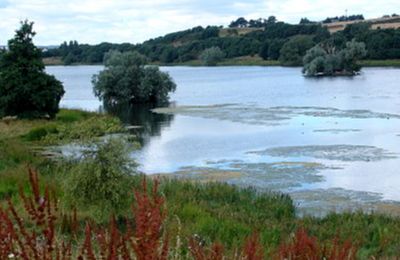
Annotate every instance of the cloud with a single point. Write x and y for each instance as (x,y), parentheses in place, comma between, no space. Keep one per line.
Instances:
(94,21)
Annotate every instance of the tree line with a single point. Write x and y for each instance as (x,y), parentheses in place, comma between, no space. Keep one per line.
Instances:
(273,40)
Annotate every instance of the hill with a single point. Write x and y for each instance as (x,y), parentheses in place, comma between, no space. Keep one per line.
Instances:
(386,22)
(265,39)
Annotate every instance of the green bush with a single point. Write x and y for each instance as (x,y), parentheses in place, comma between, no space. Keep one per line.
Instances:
(211,56)
(292,51)
(100,184)
(39,133)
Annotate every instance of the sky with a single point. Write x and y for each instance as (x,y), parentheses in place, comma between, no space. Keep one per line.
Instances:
(134,21)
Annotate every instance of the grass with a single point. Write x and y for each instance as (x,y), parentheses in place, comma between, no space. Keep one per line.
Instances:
(53,61)
(380,63)
(211,211)
(74,125)
(238,61)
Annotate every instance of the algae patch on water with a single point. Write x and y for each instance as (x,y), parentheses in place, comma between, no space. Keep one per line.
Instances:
(251,114)
(203,174)
(336,131)
(277,176)
(320,202)
(340,152)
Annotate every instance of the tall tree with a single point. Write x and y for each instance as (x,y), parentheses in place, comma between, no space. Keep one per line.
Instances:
(127,79)
(25,88)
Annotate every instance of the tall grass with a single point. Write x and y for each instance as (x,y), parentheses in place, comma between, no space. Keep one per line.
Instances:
(33,234)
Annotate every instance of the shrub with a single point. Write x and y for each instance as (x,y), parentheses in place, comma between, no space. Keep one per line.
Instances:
(38,133)
(292,51)
(211,56)
(100,183)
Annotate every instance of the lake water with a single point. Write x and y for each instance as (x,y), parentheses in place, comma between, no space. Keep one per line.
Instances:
(332,143)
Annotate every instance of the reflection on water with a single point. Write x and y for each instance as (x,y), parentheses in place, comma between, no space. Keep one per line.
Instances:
(140,120)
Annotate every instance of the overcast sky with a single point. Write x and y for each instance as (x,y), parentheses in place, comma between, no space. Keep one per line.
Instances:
(95,21)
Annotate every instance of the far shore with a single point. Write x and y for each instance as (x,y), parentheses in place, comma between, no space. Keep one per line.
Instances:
(239,61)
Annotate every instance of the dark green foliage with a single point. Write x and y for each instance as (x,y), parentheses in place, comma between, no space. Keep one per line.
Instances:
(327,60)
(187,45)
(274,48)
(292,51)
(37,134)
(25,88)
(127,79)
(305,21)
(240,22)
(169,55)
(264,50)
(343,18)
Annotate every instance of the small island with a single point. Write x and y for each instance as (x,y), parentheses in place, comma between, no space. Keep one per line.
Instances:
(327,60)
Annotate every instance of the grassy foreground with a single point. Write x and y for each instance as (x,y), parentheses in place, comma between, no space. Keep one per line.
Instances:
(211,212)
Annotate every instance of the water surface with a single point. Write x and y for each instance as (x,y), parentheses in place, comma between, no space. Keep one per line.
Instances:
(332,143)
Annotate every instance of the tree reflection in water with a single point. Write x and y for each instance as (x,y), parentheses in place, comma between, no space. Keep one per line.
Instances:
(141,120)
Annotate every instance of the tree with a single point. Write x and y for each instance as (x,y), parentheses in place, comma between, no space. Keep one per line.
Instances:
(263,53)
(25,88)
(127,79)
(327,60)
(274,48)
(212,56)
(292,51)
(271,20)
(305,21)
(169,54)
(240,22)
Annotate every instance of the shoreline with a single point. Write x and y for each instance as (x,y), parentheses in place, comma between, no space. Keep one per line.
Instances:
(240,61)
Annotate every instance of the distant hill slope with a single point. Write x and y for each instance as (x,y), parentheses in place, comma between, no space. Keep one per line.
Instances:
(377,23)
(268,41)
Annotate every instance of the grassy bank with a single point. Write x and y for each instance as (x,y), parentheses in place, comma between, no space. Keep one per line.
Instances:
(209,211)
(239,61)
(380,63)
(52,61)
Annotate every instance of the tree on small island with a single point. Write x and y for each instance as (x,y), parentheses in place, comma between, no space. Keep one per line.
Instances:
(211,56)
(325,60)
(26,90)
(127,79)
